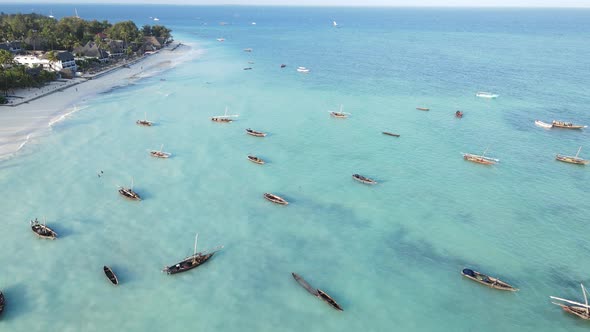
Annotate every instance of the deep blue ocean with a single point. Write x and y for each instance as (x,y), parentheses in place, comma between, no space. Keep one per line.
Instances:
(390,254)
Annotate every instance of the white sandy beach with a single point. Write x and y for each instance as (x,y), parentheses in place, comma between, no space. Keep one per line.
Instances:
(35,115)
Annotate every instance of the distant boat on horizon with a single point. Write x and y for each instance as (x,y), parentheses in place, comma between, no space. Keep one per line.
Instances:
(488,95)
(334,24)
(51,14)
(156,19)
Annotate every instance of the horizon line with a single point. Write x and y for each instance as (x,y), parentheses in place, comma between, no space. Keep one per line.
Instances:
(303,6)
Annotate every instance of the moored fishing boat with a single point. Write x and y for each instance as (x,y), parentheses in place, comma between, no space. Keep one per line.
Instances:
(581,310)
(488,95)
(129,192)
(144,122)
(316,292)
(423,108)
(390,134)
(480,159)
(110,275)
(572,159)
(340,114)
(566,125)
(255,133)
(42,230)
(363,179)
(302,70)
(275,199)
(196,259)
(483,279)
(256,160)
(225,118)
(542,124)
(160,153)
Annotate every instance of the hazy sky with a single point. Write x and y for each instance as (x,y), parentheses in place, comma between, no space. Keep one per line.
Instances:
(416,3)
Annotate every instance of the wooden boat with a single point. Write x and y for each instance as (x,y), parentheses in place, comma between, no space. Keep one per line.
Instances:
(487,280)
(2,302)
(566,125)
(144,122)
(255,133)
(275,199)
(129,193)
(326,298)
(363,179)
(459,114)
(316,292)
(224,118)
(480,159)
(247,50)
(581,310)
(248,68)
(256,160)
(542,124)
(283,65)
(111,275)
(160,153)
(572,159)
(339,114)
(423,109)
(390,134)
(42,230)
(196,259)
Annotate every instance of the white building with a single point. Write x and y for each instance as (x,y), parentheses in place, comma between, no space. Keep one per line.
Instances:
(65,61)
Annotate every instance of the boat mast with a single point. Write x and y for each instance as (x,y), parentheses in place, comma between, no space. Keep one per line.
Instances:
(195,250)
(585,300)
(580,149)
(145,116)
(131,183)
(341,108)
(161,147)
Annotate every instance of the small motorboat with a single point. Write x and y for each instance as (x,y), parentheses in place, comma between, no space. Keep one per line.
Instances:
(247,50)
(566,125)
(111,275)
(302,70)
(221,119)
(255,133)
(390,134)
(316,292)
(256,160)
(487,280)
(275,199)
(42,230)
(144,122)
(2,302)
(572,159)
(248,68)
(363,179)
(542,124)
(160,153)
(196,259)
(459,114)
(283,65)
(487,95)
(220,39)
(423,109)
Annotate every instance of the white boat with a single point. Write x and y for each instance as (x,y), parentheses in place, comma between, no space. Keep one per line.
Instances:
(253,23)
(488,95)
(51,14)
(225,117)
(334,24)
(581,310)
(220,39)
(542,124)
(340,114)
(302,70)
(160,153)
(156,19)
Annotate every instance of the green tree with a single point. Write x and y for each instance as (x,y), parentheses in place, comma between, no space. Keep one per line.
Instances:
(6,58)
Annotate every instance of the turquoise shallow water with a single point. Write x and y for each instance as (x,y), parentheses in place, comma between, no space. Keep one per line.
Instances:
(390,254)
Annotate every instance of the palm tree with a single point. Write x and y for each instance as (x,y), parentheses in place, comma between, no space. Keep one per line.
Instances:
(52,57)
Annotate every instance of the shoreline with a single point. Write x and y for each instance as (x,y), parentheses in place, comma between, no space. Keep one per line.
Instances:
(36,110)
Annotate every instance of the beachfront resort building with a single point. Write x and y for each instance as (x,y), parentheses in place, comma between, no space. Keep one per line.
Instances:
(91,51)
(13,47)
(65,61)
